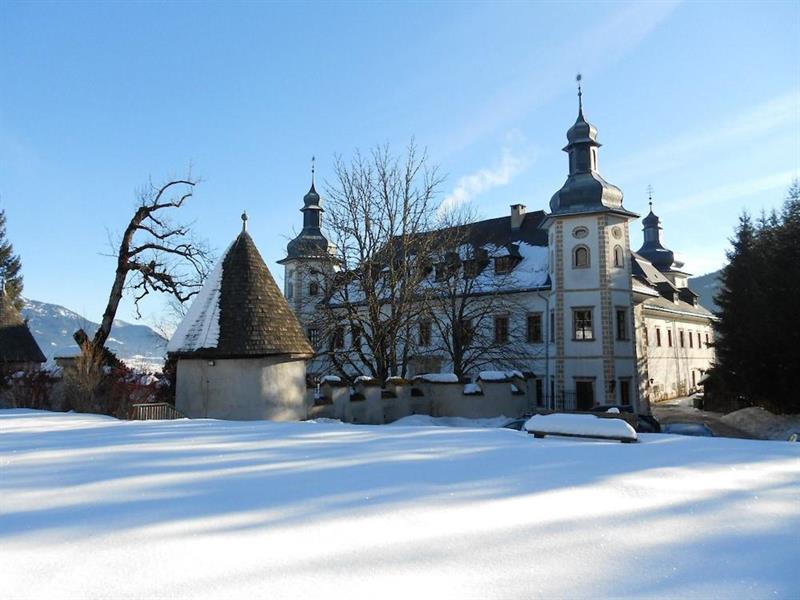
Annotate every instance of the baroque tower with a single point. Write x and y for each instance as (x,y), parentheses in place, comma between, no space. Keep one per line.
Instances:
(590,269)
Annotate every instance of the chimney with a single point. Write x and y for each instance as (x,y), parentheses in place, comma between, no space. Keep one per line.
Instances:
(517,216)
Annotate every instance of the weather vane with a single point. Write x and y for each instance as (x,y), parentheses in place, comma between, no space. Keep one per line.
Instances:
(312,170)
(244,221)
(578,78)
(650,196)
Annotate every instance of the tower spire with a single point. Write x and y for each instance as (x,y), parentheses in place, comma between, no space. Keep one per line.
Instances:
(578,78)
(313,159)
(650,196)
(244,221)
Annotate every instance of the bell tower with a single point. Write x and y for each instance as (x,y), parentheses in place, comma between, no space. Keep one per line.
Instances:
(594,361)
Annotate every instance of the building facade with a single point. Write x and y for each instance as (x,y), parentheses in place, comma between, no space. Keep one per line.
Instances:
(592,322)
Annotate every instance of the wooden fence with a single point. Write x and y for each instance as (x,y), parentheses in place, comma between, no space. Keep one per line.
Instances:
(154,411)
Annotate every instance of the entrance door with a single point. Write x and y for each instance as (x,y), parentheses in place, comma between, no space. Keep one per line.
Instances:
(624,391)
(584,391)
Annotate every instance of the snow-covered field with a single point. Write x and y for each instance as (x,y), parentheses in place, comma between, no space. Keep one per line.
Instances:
(91,507)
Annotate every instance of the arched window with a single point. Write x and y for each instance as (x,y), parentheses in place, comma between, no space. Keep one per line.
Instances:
(619,257)
(580,257)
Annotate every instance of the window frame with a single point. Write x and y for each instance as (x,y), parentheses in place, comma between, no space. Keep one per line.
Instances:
(622,333)
(618,264)
(534,317)
(590,311)
(501,334)
(575,251)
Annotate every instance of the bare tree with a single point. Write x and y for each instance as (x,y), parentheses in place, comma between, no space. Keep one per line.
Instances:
(376,207)
(471,319)
(155,254)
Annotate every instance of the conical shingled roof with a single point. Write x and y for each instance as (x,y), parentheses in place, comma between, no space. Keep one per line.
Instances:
(252,317)
(17,343)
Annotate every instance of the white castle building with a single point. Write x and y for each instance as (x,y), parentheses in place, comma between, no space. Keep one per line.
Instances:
(599,323)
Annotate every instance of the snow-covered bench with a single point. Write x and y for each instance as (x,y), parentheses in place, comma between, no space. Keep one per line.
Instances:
(582,426)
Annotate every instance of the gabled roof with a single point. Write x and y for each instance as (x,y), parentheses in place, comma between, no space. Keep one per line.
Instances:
(240,312)
(17,343)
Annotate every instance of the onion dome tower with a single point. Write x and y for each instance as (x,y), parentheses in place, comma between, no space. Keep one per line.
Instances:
(310,242)
(652,249)
(584,190)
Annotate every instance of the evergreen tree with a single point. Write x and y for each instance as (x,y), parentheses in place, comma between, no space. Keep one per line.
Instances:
(10,266)
(758,339)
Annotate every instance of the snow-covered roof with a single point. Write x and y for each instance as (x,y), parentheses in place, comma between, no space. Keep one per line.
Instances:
(240,312)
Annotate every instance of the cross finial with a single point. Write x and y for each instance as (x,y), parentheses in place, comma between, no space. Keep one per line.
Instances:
(650,196)
(313,160)
(244,221)
(578,78)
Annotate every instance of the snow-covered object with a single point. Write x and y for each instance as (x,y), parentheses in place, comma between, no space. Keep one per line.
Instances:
(532,271)
(588,425)
(365,379)
(330,379)
(613,410)
(514,389)
(227,509)
(472,389)
(438,377)
(200,326)
(428,421)
(493,376)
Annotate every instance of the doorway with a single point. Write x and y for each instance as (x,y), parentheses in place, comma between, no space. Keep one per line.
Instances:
(584,392)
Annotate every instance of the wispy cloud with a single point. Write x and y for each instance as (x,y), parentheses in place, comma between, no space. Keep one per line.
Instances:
(470,186)
(783,111)
(731,191)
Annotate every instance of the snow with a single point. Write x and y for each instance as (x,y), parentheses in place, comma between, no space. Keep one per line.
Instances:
(428,421)
(580,425)
(331,379)
(200,326)
(438,377)
(613,410)
(494,375)
(472,388)
(93,507)
(532,271)
(761,423)
(365,379)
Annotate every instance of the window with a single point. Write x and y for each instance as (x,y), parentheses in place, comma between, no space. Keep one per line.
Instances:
(658,337)
(501,330)
(582,322)
(691,340)
(552,327)
(707,342)
(471,268)
(669,338)
(622,324)
(465,332)
(356,337)
(290,290)
(313,337)
(503,264)
(580,257)
(680,337)
(535,328)
(619,257)
(425,333)
(699,341)
(337,340)
(313,288)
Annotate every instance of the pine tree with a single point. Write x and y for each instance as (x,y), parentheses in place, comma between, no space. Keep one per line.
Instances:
(10,266)
(758,339)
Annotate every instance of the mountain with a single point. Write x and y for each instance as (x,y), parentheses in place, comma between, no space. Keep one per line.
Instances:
(706,286)
(52,326)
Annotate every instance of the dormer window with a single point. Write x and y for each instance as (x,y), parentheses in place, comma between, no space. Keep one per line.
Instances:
(504,264)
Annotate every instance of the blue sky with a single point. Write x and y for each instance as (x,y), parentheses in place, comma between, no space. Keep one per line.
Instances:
(699,100)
